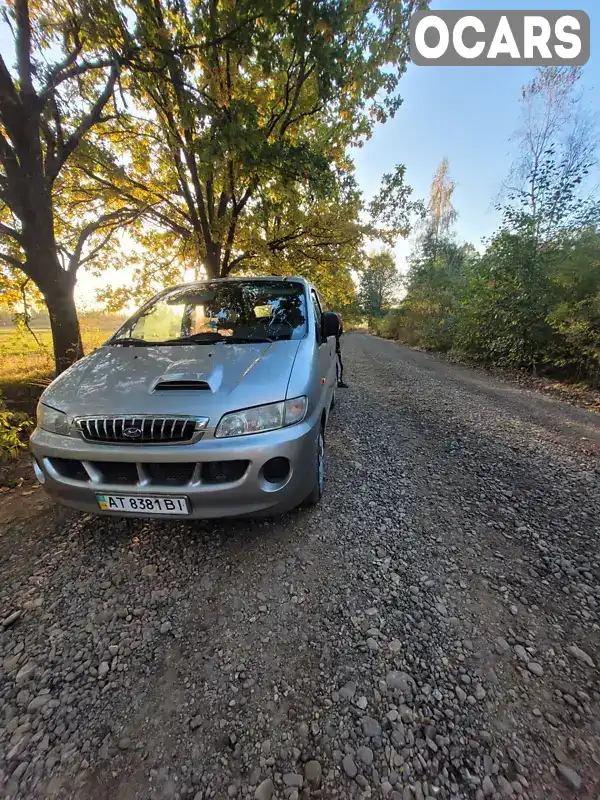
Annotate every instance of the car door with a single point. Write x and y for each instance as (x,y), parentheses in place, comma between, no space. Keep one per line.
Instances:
(326,353)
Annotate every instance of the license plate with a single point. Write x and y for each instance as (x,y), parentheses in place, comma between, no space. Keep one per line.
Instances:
(136,504)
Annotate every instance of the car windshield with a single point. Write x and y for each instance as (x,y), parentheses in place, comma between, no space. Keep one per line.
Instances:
(219,312)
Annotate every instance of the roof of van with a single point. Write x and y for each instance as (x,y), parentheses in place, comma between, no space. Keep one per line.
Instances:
(296,278)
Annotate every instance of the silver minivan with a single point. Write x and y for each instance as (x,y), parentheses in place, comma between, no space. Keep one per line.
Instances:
(211,401)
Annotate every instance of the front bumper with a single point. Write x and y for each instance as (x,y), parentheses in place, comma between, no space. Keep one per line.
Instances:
(250,494)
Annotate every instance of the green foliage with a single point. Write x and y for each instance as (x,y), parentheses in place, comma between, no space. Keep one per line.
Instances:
(244,114)
(503,314)
(379,282)
(437,278)
(392,209)
(14,427)
(393,325)
(519,304)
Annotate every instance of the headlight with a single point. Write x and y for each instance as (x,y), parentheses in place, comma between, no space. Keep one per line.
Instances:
(50,419)
(262,418)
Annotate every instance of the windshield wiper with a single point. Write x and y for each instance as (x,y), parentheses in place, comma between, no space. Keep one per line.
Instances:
(246,339)
(196,338)
(131,341)
(216,338)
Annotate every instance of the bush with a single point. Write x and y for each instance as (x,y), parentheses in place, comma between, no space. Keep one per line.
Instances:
(391,325)
(14,427)
(522,303)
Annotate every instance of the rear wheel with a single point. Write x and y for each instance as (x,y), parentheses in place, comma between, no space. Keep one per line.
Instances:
(319,468)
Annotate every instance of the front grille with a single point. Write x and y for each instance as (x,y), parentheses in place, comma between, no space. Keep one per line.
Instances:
(69,468)
(126,473)
(140,430)
(117,472)
(170,474)
(223,471)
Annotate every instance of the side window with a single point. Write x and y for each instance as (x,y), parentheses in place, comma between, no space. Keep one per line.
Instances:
(317,311)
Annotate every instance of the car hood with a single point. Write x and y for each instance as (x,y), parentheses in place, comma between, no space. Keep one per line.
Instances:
(220,378)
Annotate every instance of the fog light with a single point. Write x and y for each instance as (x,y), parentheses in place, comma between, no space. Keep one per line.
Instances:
(276,470)
(39,472)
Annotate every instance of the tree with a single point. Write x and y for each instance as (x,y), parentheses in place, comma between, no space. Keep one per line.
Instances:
(245,112)
(46,113)
(439,216)
(557,149)
(575,312)
(379,282)
(441,213)
(436,285)
(437,272)
(392,211)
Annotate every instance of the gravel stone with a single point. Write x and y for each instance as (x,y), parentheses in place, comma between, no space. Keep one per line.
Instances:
(580,655)
(349,766)
(371,727)
(12,618)
(535,668)
(25,673)
(264,791)
(506,790)
(522,654)
(399,681)
(312,773)
(348,691)
(293,779)
(569,776)
(225,658)
(479,692)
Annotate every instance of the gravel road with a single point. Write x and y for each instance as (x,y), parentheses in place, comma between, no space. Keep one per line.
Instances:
(431,630)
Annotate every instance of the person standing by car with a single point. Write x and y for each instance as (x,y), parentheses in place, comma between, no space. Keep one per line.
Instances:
(338,352)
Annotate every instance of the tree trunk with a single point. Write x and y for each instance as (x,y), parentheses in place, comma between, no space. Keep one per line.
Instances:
(66,335)
(213,261)
(44,268)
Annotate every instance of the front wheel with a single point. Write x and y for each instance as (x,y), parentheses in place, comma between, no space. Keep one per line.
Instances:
(319,467)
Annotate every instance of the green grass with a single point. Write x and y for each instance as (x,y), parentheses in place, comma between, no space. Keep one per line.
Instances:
(27,367)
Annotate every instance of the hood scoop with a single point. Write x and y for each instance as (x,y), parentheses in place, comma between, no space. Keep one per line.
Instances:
(181,385)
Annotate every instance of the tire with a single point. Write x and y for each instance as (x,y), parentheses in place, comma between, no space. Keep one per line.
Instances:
(317,492)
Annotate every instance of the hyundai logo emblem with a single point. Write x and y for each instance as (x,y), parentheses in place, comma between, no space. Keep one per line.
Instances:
(132,433)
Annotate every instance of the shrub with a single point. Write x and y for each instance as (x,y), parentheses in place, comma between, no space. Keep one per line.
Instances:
(14,427)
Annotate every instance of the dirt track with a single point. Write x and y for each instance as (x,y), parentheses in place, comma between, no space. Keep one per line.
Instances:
(431,630)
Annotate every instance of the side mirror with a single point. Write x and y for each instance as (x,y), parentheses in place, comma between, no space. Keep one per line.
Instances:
(331,324)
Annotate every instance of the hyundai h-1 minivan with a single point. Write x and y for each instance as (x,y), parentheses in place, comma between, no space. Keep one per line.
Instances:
(211,401)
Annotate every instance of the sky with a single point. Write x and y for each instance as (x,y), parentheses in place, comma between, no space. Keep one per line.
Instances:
(466,114)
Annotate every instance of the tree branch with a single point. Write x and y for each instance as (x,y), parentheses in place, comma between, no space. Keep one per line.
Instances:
(113,220)
(23,47)
(238,259)
(90,119)
(8,92)
(11,260)
(64,72)
(8,231)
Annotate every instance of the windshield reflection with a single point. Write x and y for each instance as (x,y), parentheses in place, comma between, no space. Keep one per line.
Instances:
(211,312)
